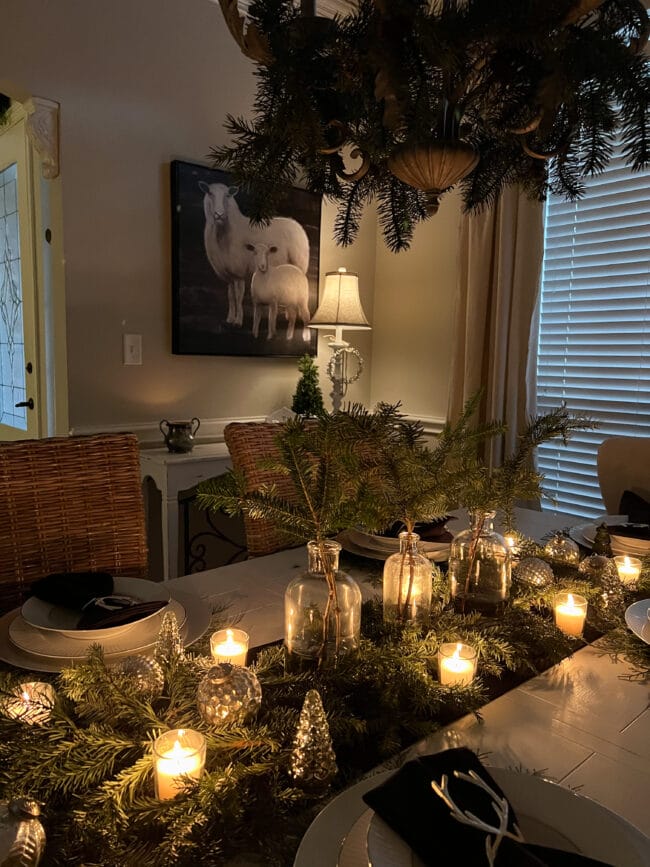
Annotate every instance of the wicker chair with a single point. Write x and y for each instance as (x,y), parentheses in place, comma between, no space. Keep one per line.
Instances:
(69,504)
(249,443)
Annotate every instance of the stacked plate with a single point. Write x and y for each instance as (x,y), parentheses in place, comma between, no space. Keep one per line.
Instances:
(42,636)
(585,534)
(357,541)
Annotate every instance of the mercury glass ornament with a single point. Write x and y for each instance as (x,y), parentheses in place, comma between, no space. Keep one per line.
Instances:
(607,609)
(479,567)
(562,549)
(533,572)
(228,694)
(313,763)
(407,583)
(22,837)
(322,608)
(144,674)
(169,644)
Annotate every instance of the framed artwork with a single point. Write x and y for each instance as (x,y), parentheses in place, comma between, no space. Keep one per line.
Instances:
(240,288)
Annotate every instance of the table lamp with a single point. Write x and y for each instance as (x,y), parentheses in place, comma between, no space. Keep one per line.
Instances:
(340,308)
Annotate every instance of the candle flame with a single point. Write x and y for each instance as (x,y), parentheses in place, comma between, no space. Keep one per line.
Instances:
(456,653)
(25,696)
(570,601)
(626,562)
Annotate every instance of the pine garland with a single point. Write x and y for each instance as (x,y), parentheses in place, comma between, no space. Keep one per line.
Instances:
(519,82)
(91,764)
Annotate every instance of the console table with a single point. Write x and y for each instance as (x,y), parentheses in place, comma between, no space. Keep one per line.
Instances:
(173,473)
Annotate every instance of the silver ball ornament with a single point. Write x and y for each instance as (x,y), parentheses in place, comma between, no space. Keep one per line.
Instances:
(563,549)
(228,694)
(533,572)
(144,674)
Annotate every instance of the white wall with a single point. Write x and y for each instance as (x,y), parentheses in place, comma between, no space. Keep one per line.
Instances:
(143,82)
(413,316)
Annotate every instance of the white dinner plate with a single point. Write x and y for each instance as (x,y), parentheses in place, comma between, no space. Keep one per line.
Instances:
(198,611)
(585,534)
(440,555)
(552,813)
(637,620)
(56,645)
(56,618)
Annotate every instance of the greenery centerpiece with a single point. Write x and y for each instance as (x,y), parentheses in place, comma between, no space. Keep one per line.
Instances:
(321,459)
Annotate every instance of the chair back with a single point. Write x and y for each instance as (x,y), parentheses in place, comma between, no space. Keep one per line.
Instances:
(69,504)
(250,443)
(623,465)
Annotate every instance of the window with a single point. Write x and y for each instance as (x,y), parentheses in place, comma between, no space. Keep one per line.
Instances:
(594,332)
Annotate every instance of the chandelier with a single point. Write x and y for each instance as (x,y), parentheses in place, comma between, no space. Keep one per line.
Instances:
(398,101)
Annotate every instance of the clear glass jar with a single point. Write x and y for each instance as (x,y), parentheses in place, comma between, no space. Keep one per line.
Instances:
(407,583)
(322,608)
(479,567)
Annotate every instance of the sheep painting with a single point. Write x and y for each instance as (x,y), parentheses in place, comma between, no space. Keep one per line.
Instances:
(225,234)
(229,274)
(278,287)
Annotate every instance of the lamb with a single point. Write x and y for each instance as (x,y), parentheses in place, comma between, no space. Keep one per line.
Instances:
(278,286)
(225,235)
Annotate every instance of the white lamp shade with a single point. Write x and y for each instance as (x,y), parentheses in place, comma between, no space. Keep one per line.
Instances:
(340,305)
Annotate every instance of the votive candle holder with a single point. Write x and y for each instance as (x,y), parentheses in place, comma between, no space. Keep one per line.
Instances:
(570,613)
(456,663)
(179,755)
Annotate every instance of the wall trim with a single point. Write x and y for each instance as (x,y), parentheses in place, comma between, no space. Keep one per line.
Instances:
(148,433)
(211,429)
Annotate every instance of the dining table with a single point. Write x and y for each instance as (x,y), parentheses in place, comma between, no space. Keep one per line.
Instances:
(570,746)
(583,724)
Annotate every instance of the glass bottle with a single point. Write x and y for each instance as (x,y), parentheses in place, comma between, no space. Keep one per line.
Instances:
(407,583)
(322,608)
(479,567)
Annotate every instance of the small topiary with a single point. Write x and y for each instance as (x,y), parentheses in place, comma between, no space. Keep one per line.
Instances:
(308,398)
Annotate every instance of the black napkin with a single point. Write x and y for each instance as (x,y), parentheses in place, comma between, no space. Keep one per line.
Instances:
(91,594)
(428,531)
(73,589)
(408,804)
(635,507)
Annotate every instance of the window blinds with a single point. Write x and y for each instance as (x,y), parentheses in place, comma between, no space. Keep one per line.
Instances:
(594,331)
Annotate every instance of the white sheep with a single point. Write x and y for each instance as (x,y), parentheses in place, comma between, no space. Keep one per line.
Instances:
(225,235)
(278,287)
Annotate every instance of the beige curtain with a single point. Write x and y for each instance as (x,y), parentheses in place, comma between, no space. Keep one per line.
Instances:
(501,254)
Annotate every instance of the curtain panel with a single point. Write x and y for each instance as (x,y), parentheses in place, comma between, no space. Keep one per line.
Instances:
(501,254)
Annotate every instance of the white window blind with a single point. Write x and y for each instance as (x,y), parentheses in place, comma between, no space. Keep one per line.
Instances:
(594,331)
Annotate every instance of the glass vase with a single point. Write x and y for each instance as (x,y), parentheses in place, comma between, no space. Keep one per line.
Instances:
(322,608)
(407,583)
(479,567)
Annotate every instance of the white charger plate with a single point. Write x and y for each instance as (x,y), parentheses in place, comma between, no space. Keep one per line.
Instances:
(554,810)
(60,620)
(198,611)
(57,645)
(636,617)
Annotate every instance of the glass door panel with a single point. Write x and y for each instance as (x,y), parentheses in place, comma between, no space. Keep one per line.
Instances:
(18,382)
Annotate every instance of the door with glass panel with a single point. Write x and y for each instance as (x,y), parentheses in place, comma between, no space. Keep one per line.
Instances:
(19,408)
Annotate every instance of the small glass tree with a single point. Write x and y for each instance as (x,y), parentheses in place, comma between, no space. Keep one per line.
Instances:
(308,398)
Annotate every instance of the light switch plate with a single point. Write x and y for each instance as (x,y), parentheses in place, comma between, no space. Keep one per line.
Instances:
(132,348)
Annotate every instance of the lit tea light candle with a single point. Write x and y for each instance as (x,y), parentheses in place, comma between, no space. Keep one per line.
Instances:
(178,754)
(570,613)
(32,704)
(629,568)
(456,664)
(229,645)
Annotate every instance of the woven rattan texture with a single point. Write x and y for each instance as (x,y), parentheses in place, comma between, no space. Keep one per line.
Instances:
(69,504)
(250,443)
